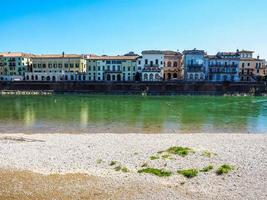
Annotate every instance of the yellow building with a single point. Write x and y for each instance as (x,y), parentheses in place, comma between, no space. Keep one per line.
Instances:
(1,65)
(55,67)
(251,69)
(111,68)
(15,64)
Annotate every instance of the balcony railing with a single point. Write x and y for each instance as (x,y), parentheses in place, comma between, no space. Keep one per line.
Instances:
(219,65)
(113,71)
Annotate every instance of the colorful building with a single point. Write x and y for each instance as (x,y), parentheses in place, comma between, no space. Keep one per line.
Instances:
(173,69)
(224,66)
(15,65)
(57,67)
(152,63)
(111,68)
(251,69)
(1,65)
(194,65)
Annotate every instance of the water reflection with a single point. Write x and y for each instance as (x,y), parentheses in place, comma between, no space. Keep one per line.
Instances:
(124,114)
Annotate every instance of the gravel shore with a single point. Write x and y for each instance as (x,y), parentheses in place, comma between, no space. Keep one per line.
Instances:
(63,166)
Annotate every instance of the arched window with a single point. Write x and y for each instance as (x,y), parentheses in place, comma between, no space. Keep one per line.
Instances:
(71,77)
(145,77)
(113,77)
(151,77)
(48,78)
(191,76)
(118,77)
(175,64)
(196,76)
(175,75)
(36,77)
(108,77)
(169,76)
(32,77)
(53,78)
(27,77)
(157,76)
(84,77)
(66,77)
(169,64)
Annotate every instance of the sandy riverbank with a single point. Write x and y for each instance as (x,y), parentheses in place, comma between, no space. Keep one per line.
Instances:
(62,166)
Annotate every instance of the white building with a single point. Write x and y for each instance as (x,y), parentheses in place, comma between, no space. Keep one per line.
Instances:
(151,64)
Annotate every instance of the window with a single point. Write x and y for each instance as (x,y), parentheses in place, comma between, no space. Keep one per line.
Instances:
(243,65)
(77,65)
(55,65)
(60,65)
(129,68)
(175,64)
(123,69)
(157,61)
(66,65)
(169,64)
(113,68)
(139,62)
(71,65)
(44,65)
(119,68)
(98,68)
(49,65)
(146,61)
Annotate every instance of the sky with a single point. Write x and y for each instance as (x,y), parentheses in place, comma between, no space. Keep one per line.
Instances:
(116,27)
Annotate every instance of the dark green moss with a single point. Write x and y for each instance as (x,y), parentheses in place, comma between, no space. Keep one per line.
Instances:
(224,169)
(188,173)
(156,172)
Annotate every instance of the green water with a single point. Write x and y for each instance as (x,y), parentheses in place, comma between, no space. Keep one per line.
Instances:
(128,114)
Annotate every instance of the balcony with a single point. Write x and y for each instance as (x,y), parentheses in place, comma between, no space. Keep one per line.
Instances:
(154,65)
(195,68)
(113,71)
(225,66)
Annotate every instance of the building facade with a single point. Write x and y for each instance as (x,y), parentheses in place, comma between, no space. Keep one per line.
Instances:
(57,67)
(224,66)
(15,65)
(251,69)
(1,65)
(173,69)
(111,68)
(152,63)
(194,65)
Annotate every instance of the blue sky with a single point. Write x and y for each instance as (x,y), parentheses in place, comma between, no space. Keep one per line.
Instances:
(118,26)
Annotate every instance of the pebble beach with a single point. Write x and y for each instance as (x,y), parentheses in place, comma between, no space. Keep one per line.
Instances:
(106,166)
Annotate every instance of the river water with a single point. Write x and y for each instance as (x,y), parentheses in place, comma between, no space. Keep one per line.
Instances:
(132,114)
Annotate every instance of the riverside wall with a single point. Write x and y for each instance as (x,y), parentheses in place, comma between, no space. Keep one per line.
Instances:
(150,88)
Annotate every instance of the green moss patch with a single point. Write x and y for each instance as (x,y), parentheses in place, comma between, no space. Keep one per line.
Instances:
(188,173)
(181,151)
(207,169)
(156,172)
(224,169)
(154,157)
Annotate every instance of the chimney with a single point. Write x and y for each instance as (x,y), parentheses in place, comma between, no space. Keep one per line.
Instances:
(63,54)
(258,57)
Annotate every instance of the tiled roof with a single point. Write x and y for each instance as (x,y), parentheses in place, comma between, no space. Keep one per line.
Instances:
(164,52)
(194,51)
(58,56)
(94,57)
(245,51)
(15,54)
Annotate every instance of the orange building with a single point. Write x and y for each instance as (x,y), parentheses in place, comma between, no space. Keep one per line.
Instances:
(173,66)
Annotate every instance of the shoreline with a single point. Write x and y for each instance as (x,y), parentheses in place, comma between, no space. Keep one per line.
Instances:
(81,156)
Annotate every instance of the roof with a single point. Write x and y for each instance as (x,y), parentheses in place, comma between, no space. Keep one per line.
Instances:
(95,57)
(194,51)
(54,56)
(164,52)
(252,59)
(15,54)
(245,51)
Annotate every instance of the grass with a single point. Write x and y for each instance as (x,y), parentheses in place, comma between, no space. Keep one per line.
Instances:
(156,172)
(154,157)
(181,151)
(188,173)
(207,169)
(118,168)
(113,163)
(99,161)
(224,169)
(167,156)
(208,154)
(125,169)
